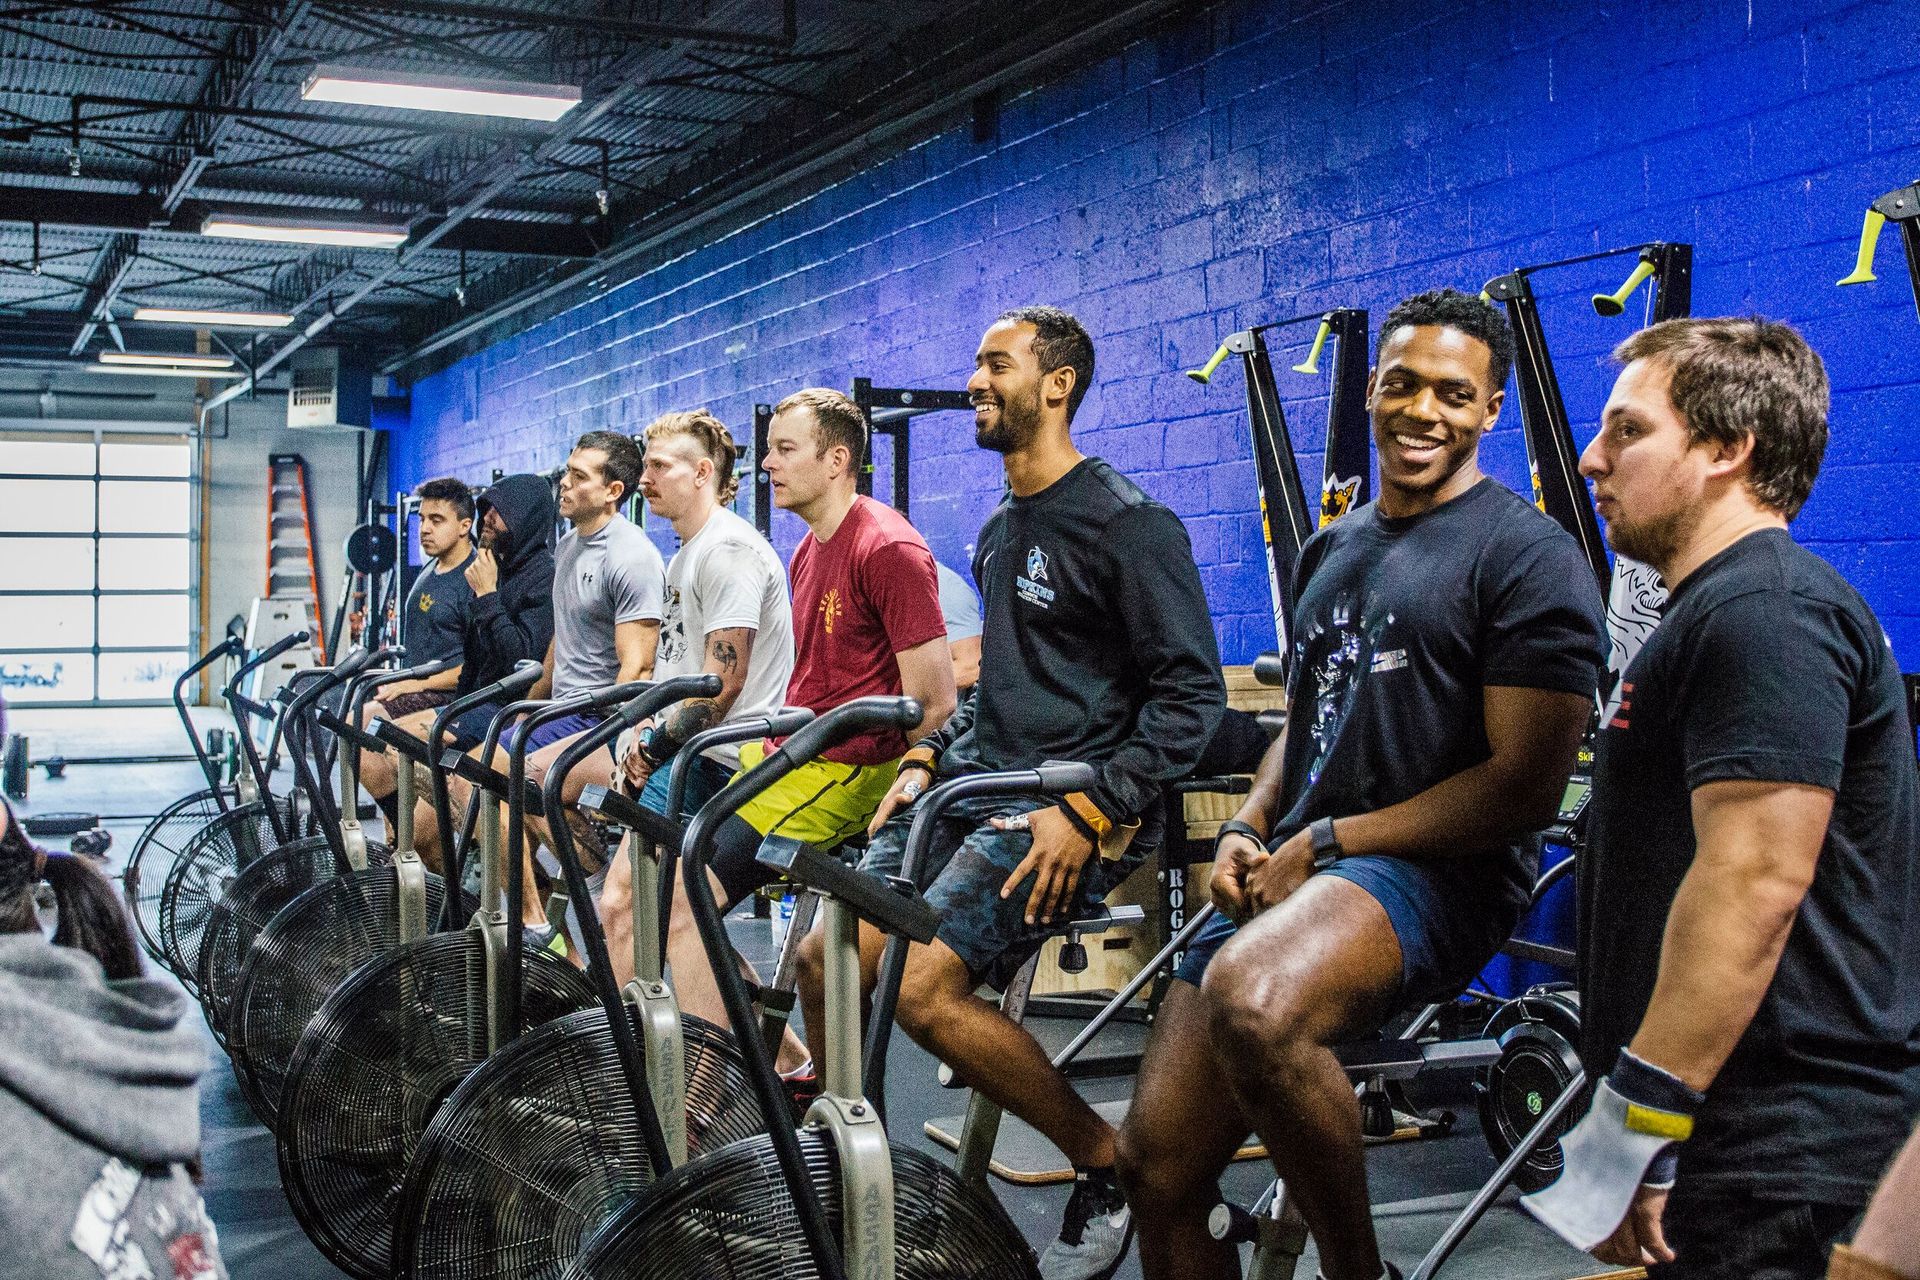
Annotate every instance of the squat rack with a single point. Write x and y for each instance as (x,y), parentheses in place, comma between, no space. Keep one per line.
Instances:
(1634,591)
(888,411)
(1900,206)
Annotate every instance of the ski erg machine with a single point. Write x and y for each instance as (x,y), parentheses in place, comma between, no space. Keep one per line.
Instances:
(1285,522)
(1635,594)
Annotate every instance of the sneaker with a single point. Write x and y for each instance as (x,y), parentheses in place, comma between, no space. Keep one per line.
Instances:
(802,1086)
(1095,1232)
(542,937)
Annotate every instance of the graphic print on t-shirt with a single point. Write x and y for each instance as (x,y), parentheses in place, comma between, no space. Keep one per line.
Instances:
(673,633)
(1342,643)
(831,608)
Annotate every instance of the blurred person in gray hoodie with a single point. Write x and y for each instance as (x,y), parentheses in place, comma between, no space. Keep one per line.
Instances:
(99,1089)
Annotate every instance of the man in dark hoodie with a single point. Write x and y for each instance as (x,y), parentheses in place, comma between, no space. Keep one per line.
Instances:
(99,1101)
(512,612)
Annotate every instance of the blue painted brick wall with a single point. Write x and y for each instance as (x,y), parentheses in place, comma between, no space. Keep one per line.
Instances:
(1270,158)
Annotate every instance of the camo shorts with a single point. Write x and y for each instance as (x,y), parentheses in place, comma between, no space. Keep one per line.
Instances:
(967,863)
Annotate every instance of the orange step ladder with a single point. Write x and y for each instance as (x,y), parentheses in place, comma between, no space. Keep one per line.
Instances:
(291,574)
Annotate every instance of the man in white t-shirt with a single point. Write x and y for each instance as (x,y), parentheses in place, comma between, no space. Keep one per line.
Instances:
(727,612)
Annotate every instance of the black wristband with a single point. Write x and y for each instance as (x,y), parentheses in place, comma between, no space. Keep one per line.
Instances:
(1235,827)
(1639,1081)
(651,746)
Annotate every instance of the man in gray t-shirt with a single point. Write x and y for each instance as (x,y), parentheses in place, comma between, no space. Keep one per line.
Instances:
(601,581)
(609,588)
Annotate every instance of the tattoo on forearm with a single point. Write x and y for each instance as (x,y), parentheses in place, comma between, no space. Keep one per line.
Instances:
(690,718)
(727,654)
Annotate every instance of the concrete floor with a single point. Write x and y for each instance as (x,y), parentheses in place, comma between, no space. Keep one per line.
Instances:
(1417,1186)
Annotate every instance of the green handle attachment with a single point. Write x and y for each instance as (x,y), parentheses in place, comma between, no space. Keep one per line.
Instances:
(1612,304)
(1869,241)
(1204,373)
(1312,363)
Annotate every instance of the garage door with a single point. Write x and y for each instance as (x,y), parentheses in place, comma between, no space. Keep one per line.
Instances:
(96,600)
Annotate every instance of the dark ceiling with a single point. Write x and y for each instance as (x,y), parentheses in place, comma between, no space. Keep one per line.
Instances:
(123,122)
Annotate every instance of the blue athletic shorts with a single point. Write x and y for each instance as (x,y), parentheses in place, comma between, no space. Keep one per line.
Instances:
(1449,920)
(554,730)
(468,729)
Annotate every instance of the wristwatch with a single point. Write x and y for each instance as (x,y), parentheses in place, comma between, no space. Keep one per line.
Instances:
(1326,845)
(1235,827)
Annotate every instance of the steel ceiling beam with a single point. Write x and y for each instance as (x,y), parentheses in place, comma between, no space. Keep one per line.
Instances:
(613,85)
(249,56)
(111,267)
(593,24)
(103,212)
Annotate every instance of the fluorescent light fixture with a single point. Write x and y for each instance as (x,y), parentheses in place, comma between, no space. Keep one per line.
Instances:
(458,94)
(299,230)
(166,361)
(214,319)
(171,371)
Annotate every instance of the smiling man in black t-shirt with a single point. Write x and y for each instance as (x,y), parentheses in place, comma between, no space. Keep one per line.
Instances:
(1749,955)
(1447,640)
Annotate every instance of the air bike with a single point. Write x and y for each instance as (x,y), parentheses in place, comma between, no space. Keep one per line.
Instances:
(252,819)
(334,925)
(836,1198)
(161,841)
(559,1128)
(385,1050)
(282,874)
(196,916)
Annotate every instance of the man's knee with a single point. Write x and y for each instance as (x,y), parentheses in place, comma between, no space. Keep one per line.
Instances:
(1155,1174)
(1258,1004)
(934,978)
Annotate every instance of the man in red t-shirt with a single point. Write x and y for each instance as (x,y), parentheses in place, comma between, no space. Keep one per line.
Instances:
(866,620)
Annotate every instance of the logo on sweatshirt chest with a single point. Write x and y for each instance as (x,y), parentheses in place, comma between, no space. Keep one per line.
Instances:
(1031,585)
(426,602)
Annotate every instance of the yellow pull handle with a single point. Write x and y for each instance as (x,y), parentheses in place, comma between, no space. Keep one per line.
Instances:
(1869,240)
(1204,373)
(1612,304)
(1312,363)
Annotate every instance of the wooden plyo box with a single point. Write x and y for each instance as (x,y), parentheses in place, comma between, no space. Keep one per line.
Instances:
(1115,956)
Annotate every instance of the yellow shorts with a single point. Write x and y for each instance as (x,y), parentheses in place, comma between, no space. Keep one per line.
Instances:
(820,803)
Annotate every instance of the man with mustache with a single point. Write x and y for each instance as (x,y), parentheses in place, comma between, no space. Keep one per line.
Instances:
(1097,647)
(1446,644)
(1749,962)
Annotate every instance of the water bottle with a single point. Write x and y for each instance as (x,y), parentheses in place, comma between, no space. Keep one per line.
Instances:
(782,918)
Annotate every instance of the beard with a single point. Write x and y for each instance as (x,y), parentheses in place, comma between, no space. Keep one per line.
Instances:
(501,544)
(1015,427)
(1653,541)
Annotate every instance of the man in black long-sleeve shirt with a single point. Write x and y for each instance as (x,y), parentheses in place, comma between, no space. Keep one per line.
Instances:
(1098,647)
